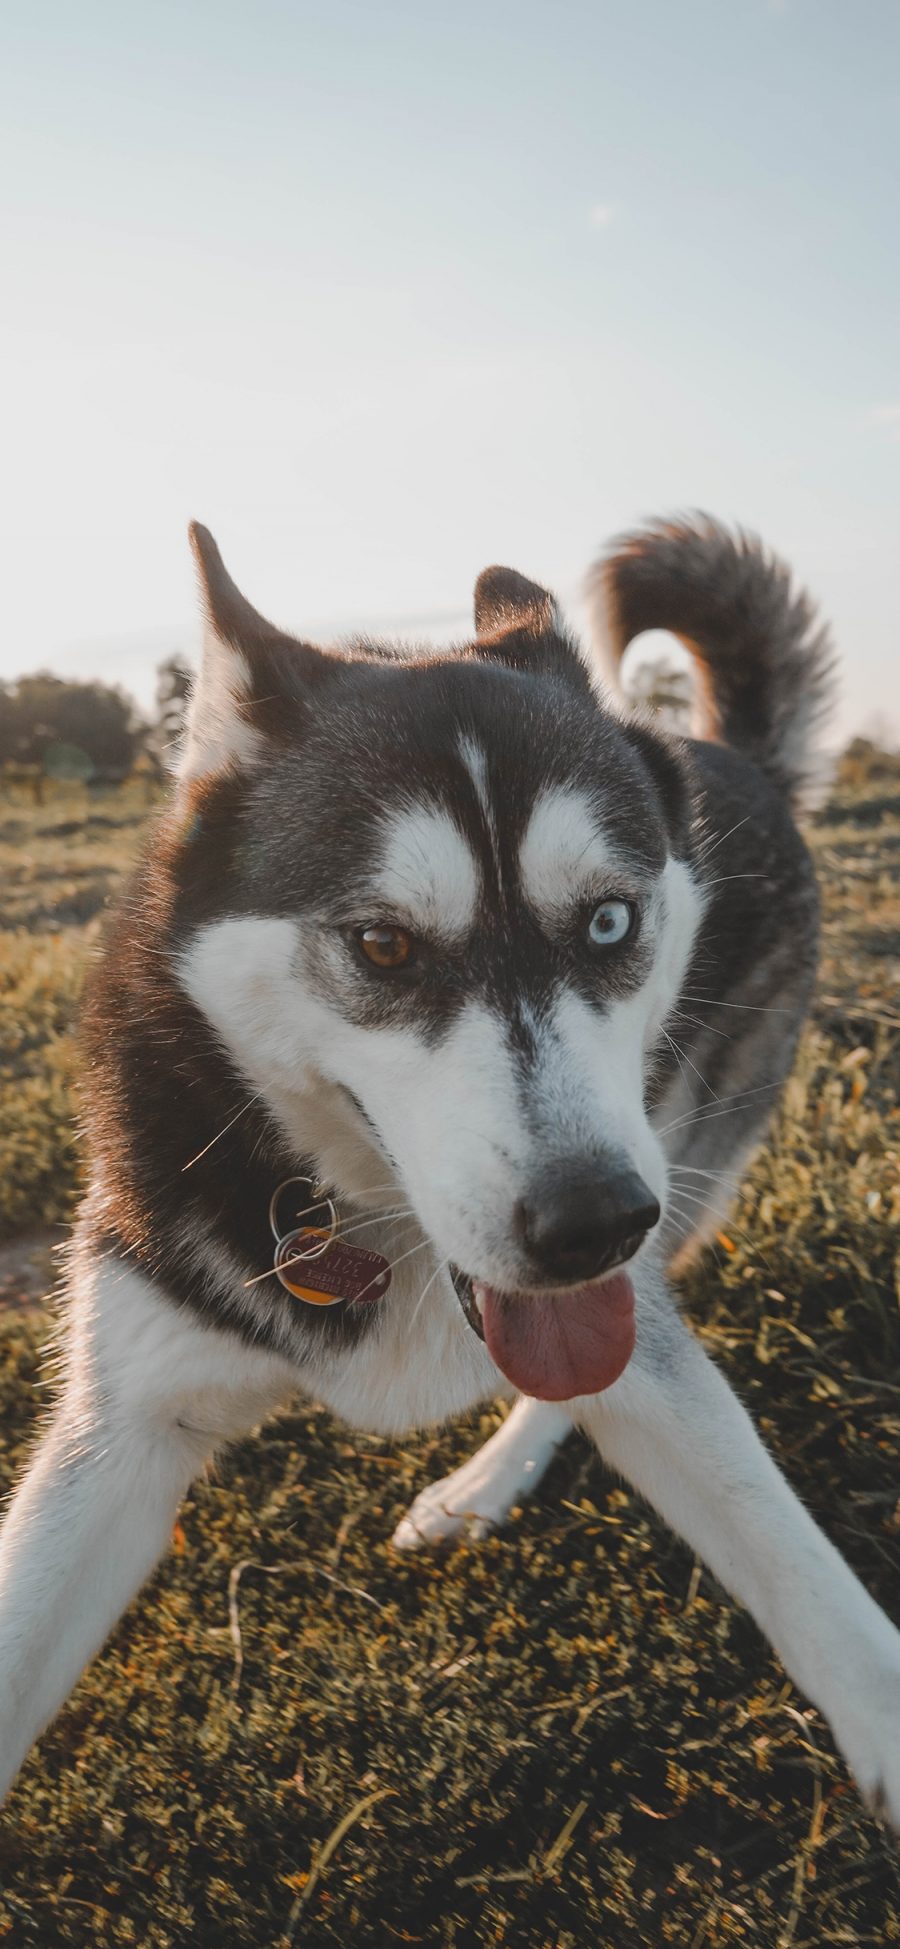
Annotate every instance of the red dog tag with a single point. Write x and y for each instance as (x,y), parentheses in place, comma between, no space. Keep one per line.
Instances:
(340,1272)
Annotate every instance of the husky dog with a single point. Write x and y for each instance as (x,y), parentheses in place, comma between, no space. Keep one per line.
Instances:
(450,939)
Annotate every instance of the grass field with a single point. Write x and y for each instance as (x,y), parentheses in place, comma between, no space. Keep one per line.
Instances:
(563,1736)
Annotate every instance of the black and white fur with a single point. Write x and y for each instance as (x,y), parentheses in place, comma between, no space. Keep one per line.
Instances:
(486,799)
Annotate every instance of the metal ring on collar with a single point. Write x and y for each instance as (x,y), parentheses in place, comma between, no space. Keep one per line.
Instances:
(319,1198)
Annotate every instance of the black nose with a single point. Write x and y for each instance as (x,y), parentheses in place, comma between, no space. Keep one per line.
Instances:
(582,1221)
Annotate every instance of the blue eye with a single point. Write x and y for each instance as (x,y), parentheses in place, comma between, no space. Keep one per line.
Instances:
(611,923)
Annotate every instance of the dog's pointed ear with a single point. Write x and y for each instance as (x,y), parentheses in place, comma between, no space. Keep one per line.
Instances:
(504,599)
(254,680)
(518,623)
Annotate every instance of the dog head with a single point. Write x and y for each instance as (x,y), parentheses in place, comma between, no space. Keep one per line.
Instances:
(437,907)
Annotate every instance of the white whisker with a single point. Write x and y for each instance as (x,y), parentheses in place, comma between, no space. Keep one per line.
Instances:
(678,1015)
(752,1008)
(725,877)
(422,1246)
(703,1114)
(708,851)
(441,1267)
(224,1130)
(683,1230)
(680,1058)
(701,1170)
(302,1258)
(712,1213)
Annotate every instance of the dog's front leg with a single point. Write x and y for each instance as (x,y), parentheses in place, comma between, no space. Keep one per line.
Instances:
(149,1396)
(481,1492)
(672,1426)
(90,1520)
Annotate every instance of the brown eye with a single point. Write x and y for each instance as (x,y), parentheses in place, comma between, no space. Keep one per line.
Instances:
(387,947)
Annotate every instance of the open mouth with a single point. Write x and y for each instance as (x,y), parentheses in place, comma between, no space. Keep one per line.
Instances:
(559,1344)
(464,1288)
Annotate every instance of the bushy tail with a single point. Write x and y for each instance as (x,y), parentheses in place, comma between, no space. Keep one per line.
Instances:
(763,663)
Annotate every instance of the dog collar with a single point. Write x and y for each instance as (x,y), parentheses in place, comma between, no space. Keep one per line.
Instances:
(313,1262)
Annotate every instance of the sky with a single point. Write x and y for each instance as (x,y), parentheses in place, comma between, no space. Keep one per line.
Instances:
(384,290)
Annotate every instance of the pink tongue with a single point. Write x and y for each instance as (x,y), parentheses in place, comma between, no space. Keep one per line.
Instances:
(567,1343)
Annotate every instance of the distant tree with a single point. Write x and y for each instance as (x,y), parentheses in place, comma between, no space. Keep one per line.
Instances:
(174,683)
(95,726)
(660,686)
(866,761)
(68,761)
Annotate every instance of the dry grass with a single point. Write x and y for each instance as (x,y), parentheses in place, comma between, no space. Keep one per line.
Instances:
(566,1735)
(58,865)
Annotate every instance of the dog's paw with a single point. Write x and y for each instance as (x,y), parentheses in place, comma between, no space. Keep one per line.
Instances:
(469,1503)
(480,1494)
(868,1732)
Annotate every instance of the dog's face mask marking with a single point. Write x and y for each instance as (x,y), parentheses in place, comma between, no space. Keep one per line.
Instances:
(487,811)
(565,855)
(428,874)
